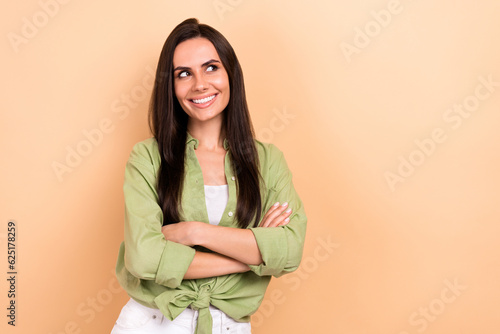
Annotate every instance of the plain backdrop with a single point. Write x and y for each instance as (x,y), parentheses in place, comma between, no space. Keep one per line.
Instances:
(387,112)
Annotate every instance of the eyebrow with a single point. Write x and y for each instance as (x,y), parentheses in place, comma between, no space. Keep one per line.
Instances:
(184,68)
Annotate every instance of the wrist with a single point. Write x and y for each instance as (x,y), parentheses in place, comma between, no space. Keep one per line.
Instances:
(239,267)
(199,232)
(244,268)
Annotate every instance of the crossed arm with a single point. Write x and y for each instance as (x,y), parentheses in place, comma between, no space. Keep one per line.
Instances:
(234,248)
(163,254)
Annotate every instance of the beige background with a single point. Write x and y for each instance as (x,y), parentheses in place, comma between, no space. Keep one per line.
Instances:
(364,98)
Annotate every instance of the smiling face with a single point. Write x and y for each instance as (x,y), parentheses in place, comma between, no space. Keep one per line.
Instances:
(201,82)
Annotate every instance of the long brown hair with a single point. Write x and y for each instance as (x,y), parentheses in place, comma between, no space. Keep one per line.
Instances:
(168,124)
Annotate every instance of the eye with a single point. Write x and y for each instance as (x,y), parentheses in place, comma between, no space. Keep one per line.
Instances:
(212,68)
(183,74)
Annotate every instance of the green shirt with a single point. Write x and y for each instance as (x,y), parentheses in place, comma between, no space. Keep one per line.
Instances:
(151,269)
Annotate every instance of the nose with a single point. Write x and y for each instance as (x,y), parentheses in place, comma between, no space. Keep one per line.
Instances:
(200,83)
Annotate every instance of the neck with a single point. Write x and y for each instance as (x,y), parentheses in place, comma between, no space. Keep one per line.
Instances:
(210,135)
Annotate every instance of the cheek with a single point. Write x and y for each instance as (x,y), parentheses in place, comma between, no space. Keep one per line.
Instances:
(222,84)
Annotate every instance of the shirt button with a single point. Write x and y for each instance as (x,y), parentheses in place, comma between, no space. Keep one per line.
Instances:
(233,178)
(230,214)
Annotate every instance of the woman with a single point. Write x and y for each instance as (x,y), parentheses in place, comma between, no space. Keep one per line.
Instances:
(204,228)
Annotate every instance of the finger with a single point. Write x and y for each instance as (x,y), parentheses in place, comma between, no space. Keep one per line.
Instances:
(271,209)
(265,219)
(274,217)
(273,212)
(281,219)
(285,221)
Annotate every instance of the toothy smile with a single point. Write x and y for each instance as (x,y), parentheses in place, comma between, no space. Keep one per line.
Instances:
(205,100)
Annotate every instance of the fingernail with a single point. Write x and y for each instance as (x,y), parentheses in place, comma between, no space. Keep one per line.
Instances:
(284,204)
(288,210)
(287,219)
(276,204)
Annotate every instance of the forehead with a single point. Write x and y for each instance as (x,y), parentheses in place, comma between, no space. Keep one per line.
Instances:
(194,52)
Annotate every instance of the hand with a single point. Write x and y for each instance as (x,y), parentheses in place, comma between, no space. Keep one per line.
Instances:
(277,215)
(182,232)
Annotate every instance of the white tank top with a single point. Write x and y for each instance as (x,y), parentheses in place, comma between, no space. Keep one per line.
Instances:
(216,198)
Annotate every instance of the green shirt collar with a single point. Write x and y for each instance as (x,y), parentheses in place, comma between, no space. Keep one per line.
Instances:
(190,139)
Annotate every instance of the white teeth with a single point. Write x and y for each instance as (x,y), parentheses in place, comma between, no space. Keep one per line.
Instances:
(205,100)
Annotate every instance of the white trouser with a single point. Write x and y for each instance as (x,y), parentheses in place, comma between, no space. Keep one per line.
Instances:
(136,318)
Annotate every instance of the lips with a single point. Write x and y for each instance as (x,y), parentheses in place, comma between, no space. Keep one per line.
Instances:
(204,100)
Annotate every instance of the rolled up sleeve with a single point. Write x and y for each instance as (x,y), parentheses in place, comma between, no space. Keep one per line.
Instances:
(148,255)
(281,247)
